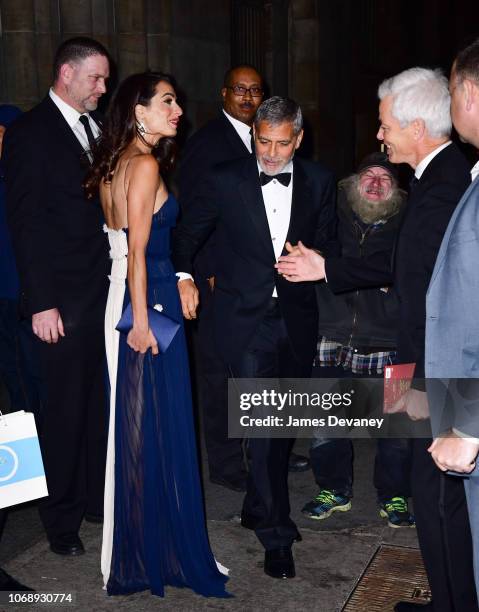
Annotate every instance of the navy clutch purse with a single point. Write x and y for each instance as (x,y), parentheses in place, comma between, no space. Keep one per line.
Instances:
(164,328)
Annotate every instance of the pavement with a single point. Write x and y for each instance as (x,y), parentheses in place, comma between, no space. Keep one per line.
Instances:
(329,561)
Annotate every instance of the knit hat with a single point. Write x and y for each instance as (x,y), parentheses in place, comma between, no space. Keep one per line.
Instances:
(378,159)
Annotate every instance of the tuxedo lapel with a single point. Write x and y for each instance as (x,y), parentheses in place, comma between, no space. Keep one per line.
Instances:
(300,204)
(232,136)
(250,192)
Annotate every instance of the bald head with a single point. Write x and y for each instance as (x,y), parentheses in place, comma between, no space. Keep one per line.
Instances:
(242,93)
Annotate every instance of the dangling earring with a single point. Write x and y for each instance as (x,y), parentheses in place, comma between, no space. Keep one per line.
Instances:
(140,127)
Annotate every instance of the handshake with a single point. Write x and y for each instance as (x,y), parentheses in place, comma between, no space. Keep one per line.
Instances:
(301,264)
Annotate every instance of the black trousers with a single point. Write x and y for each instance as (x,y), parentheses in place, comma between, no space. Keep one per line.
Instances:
(444,535)
(225,455)
(266,504)
(73,432)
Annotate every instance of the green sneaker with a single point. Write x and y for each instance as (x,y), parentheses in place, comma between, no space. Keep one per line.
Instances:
(325,503)
(397,512)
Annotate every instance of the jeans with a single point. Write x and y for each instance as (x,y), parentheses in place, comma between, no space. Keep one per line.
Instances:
(332,458)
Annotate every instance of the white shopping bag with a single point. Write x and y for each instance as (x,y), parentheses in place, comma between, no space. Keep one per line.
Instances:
(22,476)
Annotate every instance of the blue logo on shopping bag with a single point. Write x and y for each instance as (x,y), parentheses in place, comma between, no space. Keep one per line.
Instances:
(20,460)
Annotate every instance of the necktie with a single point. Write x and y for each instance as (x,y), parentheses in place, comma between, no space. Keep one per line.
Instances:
(89,134)
(283,177)
(413,183)
(252,140)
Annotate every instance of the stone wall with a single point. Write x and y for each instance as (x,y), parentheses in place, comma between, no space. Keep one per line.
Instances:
(189,38)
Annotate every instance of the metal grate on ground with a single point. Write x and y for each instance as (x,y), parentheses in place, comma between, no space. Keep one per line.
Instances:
(395,573)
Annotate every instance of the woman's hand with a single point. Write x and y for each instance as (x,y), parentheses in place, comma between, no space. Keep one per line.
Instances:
(142,340)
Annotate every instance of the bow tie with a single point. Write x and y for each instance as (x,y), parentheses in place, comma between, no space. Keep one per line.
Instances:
(283,177)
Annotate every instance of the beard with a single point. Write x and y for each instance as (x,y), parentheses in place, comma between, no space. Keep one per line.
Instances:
(371,212)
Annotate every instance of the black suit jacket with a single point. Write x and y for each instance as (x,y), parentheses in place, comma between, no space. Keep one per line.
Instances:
(214,143)
(59,244)
(231,202)
(430,206)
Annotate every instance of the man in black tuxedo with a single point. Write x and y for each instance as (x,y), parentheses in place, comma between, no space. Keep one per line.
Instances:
(262,325)
(415,127)
(62,260)
(222,139)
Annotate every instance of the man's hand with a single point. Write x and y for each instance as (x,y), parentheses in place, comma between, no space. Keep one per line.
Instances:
(454,453)
(48,325)
(414,403)
(301,264)
(189,297)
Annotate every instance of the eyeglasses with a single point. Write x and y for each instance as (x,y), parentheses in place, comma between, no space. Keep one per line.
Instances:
(239,90)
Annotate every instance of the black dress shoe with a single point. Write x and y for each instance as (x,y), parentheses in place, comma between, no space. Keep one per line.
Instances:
(249,523)
(67,544)
(94,518)
(8,583)
(411,606)
(279,563)
(235,483)
(298,463)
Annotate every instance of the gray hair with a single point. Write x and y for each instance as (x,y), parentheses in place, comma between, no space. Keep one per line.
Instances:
(277,110)
(420,93)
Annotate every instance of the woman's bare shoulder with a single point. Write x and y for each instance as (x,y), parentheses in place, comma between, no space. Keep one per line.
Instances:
(142,162)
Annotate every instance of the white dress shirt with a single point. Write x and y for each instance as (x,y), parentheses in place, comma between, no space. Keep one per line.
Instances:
(242,129)
(72,117)
(423,164)
(474,171)
(277,203)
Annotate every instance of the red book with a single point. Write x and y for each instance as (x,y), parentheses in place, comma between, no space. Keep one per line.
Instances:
(397,380)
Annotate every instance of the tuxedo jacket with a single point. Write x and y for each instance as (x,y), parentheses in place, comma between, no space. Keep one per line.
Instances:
(230,201)
(430,206)
(59,244)
(214,143)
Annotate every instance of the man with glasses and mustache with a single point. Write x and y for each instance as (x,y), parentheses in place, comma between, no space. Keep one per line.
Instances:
(222,139)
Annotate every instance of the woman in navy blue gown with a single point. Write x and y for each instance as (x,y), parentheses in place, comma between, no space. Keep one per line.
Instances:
(154,531)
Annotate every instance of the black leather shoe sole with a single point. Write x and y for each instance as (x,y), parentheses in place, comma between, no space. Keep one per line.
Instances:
(68,549)
(279,563)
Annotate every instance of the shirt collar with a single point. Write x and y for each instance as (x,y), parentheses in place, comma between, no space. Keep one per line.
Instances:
(70,114)
(475,171)
(243,129)
(423,164)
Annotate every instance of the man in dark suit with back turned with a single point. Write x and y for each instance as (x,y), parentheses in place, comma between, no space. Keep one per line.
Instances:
(62,260)
(222,139)
(262,325)
(415,127)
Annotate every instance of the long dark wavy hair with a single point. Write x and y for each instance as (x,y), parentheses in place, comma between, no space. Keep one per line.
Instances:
(120,129)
